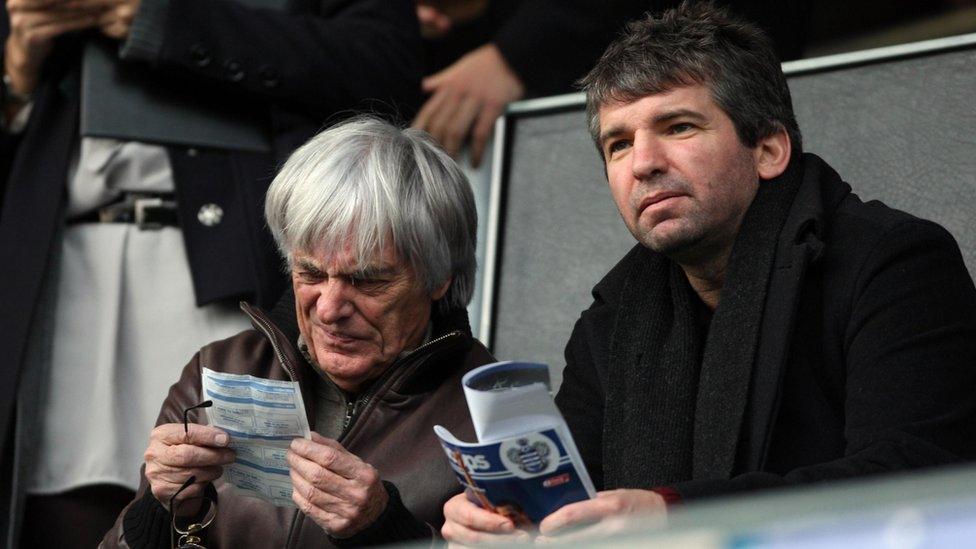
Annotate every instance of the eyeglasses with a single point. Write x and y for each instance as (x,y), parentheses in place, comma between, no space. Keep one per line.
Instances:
(189,538)
(186,421)
(189,534)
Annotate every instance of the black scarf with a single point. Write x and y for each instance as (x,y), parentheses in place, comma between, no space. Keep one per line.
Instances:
(672,397)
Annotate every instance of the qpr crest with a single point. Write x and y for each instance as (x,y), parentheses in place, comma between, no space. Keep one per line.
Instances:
(529,456)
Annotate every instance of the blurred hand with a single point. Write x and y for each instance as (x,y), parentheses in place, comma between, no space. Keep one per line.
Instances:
(466,98)
(340,492)
(434,23)
(468,524)
(116,19)
(437,17)
(173,456)
(607,513)
(34,26)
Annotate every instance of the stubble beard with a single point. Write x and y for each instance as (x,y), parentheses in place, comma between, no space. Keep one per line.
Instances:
(676,241)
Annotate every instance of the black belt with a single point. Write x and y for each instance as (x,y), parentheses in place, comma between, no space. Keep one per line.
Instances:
(147,211)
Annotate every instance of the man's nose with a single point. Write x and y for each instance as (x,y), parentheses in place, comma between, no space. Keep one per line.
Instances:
(649,157)
(334,302)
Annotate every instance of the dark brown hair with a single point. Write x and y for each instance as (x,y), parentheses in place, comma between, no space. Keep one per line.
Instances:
(697,43)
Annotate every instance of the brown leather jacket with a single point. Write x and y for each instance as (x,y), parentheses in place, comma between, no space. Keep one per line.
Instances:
(392,431)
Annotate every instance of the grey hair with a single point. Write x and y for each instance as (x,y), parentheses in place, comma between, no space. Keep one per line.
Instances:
(697,43)
(364,181)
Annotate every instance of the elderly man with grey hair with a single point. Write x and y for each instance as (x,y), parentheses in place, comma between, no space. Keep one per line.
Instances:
(378,228)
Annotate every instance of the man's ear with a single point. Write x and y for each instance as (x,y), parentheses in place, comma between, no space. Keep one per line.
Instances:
(772,154)
(439,292)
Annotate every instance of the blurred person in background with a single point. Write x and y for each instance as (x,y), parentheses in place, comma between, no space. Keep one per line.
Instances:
(129,255)
(481,55)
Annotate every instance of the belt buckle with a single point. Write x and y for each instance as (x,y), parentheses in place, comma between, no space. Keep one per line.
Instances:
(139,207)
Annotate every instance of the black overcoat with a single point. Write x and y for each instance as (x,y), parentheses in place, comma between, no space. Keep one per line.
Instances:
(865,362)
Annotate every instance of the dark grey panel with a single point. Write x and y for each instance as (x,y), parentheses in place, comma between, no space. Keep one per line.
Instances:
(561,233)
(902,130)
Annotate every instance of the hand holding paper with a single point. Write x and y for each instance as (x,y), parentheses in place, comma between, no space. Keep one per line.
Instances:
(469,524)
(603,515)
(173,455)
(262,416)
(525,465)
(340,492)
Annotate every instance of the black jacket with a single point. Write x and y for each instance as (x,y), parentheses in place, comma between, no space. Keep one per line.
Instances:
(302,67)
(866,360)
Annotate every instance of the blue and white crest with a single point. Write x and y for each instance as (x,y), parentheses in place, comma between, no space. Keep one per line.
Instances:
(529,456)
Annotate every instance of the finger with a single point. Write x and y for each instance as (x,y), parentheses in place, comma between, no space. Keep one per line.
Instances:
(319,439)
(26,23)
(17,5)
(198,435)
(183,456)
(428,110)
(319,476)
(93,5)
(462,511)
(49,30)
(330,455)
(60,6)
(432,82)
(52,13)
(332,523)
(440,121)
(188,456)
(482,131)
(179,476)
(574,515)
(164,491)
(112,26)
(608,526)
(319,498)
(433,22)
(457,128)
(460,534)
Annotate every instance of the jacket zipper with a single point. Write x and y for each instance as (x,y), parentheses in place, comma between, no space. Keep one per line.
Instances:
(267,331)
(355,407)
(352,410)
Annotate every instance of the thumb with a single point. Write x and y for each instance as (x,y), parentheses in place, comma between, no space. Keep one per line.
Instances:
(196,434)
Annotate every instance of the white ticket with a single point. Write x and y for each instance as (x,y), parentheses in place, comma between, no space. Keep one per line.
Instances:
(262,416)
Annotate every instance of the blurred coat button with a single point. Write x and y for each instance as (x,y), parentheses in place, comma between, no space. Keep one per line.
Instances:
(191,152)
(235,72)
(210,214)
(200,55)
(269,77)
